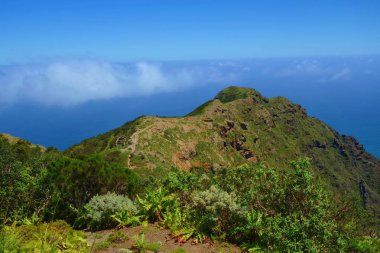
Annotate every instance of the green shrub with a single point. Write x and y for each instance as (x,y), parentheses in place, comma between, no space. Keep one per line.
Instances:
(178,250)
(216,209)
(22,169)
(77,181)
(10,239)
(46,237)
(125,218)
(116,237)
(265,209)
(101,208)
(155,202)
(142,246)
(364,244)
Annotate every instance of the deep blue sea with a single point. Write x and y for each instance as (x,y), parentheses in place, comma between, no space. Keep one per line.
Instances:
(344,92)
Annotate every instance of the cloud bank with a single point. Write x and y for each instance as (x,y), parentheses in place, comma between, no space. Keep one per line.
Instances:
(68,83)
(72,82)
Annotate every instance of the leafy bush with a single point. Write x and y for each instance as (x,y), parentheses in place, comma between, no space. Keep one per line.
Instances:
(364,244)
(154,203)
(126,218)
(263,208)
(77,181)
(116,237)
(142,246)
(47,237)
(22,169)
(101,208)
(216,209)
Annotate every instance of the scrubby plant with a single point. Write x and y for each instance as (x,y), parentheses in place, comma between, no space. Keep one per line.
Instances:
(142,246)
(217,210)
(78,180)
(178,250)
(99,212)
(10,239)
(115,237)
(174,217)
(46,237)
(126,218)
(118,236)
(102,245)
(154,203)
(22,170)
(263,208)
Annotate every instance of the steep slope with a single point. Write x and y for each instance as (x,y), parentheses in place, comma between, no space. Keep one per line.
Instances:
(15,140)
(241,126)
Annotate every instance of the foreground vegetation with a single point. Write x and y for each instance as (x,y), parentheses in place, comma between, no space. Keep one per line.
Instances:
(45,195)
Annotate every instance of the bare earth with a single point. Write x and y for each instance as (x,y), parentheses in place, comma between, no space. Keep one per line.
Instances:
(155,234)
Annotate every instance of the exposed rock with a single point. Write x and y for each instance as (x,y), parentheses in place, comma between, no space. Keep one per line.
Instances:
(317,144)
(363,194)
(247,153)
(121,141)
(230,125)
(216,166)
(243,126)
(223,132)
(336,144)
(236,145)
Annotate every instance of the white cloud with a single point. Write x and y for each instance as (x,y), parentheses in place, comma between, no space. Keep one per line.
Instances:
(67,83)
(343,74)
(73,82)
(304,67)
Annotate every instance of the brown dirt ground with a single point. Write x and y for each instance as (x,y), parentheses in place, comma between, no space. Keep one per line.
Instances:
(154,234)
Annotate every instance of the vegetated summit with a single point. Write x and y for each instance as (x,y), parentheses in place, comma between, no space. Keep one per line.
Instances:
(241,126)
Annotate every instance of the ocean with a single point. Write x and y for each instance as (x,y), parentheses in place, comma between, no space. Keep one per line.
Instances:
(344,92)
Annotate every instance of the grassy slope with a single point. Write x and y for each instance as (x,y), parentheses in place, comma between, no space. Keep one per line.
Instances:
(241,126)
(18,141)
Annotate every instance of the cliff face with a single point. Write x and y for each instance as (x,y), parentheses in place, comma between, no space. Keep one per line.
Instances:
(241,126)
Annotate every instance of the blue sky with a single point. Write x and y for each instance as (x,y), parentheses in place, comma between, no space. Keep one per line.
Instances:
(186,29)
(97,64)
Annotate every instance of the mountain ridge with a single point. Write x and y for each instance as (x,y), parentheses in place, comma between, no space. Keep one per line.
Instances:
(241,126)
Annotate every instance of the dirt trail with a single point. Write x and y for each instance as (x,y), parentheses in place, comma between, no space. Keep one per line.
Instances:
(154,234)
(132,147)
(133,143)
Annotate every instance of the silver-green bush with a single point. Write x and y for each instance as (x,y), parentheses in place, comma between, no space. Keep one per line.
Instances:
(99,210)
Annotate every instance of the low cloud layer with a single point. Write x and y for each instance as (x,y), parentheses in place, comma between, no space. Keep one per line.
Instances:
(67,83)
(73,82)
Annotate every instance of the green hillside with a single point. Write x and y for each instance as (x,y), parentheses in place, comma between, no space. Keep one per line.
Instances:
(241,173)
(238,127)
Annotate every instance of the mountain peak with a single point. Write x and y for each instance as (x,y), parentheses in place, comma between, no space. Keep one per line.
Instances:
(239,127)
(232,93)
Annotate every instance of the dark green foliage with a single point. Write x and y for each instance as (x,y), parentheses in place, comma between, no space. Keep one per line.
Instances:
(154,203)
(77,181)
(259,201)
(22,169)
(265,209)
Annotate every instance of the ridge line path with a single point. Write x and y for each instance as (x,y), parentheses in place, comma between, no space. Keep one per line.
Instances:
(134,140)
